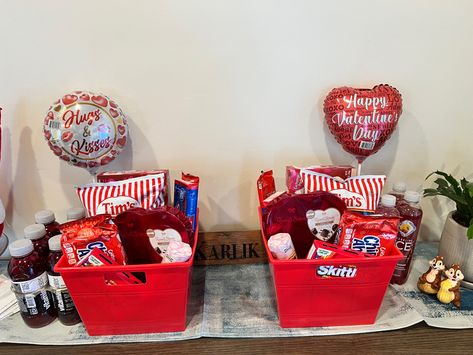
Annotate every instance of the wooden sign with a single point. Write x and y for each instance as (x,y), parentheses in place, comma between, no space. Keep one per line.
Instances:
(217,248)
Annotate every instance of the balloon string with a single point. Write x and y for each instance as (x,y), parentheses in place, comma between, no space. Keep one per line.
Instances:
(359,169)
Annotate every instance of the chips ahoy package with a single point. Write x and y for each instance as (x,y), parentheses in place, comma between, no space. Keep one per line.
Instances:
(371,234)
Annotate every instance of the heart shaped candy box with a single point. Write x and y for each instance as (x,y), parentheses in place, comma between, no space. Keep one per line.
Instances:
(305,217)
(142,230)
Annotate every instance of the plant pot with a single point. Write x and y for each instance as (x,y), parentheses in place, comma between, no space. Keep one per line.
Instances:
(456,248)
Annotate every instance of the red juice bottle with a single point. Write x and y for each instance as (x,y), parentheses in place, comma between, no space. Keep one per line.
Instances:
(37,234)
(75,213)
(411,217)
(387,206)
(399,188)
(47,218)
(29,280)
(66,310)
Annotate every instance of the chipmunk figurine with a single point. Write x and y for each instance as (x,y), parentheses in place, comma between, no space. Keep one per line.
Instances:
(429,282)
(450,287)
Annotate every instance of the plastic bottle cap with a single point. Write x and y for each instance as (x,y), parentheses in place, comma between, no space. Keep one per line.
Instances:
(412,196)
(75,213)
(388,200)
(20,247)
(34,231)
(54,243)
(399,187)
(44,217)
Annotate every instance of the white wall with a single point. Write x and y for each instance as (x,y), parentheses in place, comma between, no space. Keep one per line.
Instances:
(224,89)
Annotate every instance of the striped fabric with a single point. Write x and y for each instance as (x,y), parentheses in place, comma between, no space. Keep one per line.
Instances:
(116,197)
(360,193)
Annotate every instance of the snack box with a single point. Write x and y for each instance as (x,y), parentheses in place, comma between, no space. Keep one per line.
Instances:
(158,304)
(330,292)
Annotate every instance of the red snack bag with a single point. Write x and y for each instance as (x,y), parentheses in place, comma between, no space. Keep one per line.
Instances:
(80,237)
(294,182)
(360,193)
(371,234)
(111,176)
(305,217)
(118,196)
(265,186)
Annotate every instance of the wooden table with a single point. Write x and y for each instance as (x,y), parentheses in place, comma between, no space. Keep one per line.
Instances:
(217,248)
(418,339)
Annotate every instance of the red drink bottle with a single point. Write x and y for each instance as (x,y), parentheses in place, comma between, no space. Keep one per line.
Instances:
(411,217)
(66,310)
(75,213)
(387,207)
(37,234)
(47,218)
(398,191)
(29,282)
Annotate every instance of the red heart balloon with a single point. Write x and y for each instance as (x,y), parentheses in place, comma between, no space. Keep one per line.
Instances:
(362,120)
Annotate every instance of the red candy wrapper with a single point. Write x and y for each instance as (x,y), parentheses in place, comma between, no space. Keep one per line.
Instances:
(265,186)
(98,258)
(80,237)
(360,193)
(321,250)
(373,234)
(116,197)
(111,176)
(294,182)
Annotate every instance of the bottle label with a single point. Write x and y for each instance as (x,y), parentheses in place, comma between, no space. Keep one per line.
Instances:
(406,228)
(34,303)
(31,285)
(63,300)
(56,281)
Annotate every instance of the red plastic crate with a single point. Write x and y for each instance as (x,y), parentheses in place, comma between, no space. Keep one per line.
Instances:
(306,299)
(158,305)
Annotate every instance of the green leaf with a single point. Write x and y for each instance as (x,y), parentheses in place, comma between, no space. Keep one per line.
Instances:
(430,192)
(441,182)
(469,188)
(454,197)
(451,180)
(469,231)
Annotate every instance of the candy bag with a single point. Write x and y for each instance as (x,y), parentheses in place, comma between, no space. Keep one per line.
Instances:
(372,234)
(118,196)
(295,185)
(80,237)
(360,193)
(163,196)
(265,186)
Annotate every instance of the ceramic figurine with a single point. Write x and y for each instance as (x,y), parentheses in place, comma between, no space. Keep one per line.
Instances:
(429,282)
(450,287)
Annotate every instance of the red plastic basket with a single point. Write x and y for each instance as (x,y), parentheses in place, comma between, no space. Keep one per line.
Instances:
(307,299)
(158,305)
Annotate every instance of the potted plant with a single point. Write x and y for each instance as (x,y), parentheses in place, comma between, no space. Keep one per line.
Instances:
(456,241)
